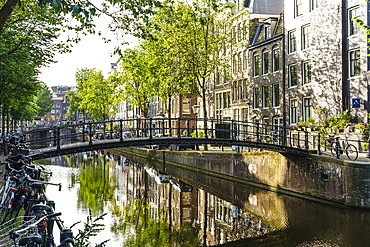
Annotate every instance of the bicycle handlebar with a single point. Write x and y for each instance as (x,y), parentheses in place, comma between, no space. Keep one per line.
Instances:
(33,225)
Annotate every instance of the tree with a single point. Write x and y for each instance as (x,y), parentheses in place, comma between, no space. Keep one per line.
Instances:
(74,103)
(44,101)
(97,95)
(138,83)
(127,16)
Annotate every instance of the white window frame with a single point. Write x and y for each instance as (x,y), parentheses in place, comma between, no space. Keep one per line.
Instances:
(290,75)
(263,62)
(292,48)
(351,23)
(305,117)
(293,115)
(351,66)
(304,64)
(273,59)
(274,95)
(306,31)
(264,100)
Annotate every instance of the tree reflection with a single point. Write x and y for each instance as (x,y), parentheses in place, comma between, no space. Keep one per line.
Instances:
(96,186)
(145,227)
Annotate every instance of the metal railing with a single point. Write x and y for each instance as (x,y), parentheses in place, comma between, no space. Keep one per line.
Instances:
(208,131)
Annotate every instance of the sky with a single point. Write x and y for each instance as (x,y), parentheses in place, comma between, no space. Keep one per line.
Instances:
(90,52)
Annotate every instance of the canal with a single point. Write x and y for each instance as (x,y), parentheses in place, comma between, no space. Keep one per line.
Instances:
(144,206)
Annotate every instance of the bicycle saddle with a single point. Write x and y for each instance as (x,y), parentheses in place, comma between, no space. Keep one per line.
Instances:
(40,207)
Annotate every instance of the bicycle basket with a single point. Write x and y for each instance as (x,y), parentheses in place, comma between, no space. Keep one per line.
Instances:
(17,223)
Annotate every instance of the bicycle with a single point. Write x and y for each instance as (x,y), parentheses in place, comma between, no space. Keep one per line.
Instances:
(349,149)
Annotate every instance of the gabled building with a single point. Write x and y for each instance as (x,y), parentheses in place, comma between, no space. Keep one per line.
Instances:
(266,72)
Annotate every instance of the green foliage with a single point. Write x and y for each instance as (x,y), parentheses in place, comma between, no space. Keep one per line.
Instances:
(44,101)
(136,78)
(91,229)
(74,103)
(94,94)
(96,186)
(135,221)
(200,133)
(326,125)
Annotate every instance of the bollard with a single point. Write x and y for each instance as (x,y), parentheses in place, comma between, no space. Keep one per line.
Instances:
(120,131)
(337,146)
(306,140)
(319,145)
(58,138)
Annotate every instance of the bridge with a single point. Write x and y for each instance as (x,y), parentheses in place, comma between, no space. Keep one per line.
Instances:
(164,132)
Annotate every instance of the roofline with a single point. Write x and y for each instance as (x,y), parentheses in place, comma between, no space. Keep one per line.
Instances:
(265,42)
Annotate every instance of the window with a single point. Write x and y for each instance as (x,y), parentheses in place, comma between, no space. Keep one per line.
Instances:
(245,119)
(354,63)
(265,63)
(276,95)
(256,65)
(218,76)
(267,30)
(234,63)
(276,60)
(235,91)
(245,30)
(239,62)
(228,99)
(256,97)
(298,7)
(307,111)
(293,111)
(266,97)
(185,106)
(239,32)
(245,60)
(353,27)
(293,75)
(306,72)
(245,88)
(240,89)
(226,75)
(292,42)
(236,114)
(313,4)
(305,37)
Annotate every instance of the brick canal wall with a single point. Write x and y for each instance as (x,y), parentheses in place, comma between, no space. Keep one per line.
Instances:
(313,177)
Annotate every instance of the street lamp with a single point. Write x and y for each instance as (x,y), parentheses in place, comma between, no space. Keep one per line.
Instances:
(196,110)
(367,76)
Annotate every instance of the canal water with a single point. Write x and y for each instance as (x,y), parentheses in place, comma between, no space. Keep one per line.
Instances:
(144,206)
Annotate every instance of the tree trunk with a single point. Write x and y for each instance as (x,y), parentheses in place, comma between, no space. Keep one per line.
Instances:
(7,121)
(6,11)
(3,121)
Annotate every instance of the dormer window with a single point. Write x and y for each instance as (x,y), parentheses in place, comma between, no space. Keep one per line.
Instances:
(267,30)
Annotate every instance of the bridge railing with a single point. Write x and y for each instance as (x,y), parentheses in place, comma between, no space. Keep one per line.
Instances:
(221,129)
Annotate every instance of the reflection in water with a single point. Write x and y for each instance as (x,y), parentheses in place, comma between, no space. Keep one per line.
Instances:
(149,207)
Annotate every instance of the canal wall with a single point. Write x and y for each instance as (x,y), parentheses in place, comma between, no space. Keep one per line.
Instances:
(314,177)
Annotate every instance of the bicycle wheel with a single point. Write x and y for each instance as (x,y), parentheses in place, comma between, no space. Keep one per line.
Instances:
(351,152)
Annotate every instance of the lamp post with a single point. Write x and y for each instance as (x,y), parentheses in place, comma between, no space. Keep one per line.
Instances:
(367,76)
(196,110)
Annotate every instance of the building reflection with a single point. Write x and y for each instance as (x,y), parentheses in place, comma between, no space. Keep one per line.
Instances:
(218,221)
